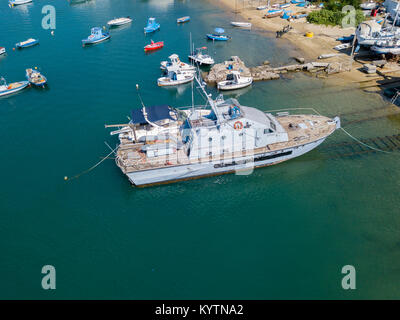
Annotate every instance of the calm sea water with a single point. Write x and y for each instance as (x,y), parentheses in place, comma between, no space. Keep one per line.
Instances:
(282,232)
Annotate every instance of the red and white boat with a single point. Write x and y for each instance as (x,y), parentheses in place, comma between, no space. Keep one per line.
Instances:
(2,50)
(154,46)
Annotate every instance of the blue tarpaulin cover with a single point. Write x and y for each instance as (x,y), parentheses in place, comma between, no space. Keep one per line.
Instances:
(154,113)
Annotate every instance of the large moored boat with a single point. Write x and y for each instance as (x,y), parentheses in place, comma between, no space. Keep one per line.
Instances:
(163,144)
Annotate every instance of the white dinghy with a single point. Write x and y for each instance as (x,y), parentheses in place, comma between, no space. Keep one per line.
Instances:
(241,24)
(119,22)
(234,81)
(175,78)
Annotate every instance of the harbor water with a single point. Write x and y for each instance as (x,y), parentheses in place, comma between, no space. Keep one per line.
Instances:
(282,232)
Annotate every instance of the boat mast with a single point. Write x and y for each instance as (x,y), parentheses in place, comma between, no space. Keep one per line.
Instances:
(210,100)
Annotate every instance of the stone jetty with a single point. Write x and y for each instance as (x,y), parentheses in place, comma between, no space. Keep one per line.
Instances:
(265,72)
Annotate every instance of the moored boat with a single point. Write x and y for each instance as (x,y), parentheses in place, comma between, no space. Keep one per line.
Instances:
(27,43)
(6,89)
(35,77)
(234,81)
(2,50)
(162,144)
(218,37)
(174,63)
(241,24)
(183,19)
(12,3)
(262,7)
(175,78)
(119,22)
(201,58)
(152,26)
(154,46)
(97,35)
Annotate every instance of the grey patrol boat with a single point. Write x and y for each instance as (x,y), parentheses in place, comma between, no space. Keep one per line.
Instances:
(162,144)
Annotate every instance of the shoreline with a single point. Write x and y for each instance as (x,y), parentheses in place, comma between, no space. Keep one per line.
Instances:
(323,41)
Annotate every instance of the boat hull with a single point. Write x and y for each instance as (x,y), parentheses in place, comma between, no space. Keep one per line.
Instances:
(183,20)
(117,24)
(239,165)
(224,86)
(217,38)
(27,45)
(89,42)
(241,24)
(17,3)
(163,82)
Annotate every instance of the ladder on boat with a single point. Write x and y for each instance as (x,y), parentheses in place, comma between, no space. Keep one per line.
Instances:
(395,96)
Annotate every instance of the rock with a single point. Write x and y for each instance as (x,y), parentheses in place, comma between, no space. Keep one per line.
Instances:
(266,62)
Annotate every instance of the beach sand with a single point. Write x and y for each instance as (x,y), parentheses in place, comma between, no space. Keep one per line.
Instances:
(323,41)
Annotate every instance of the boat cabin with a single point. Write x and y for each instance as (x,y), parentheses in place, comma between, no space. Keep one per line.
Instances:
(230,128)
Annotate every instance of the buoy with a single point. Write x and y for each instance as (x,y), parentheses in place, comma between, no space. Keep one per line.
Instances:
(309,34)
(137,86)
(35,68)
(65,178)
(52,32)
(13,49)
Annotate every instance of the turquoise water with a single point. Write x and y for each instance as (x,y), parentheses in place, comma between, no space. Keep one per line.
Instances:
(281,232)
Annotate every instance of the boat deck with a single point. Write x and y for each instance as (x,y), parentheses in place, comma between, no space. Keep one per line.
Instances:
(301,129)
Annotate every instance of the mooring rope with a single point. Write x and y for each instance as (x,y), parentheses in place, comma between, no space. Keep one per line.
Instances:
(364,144)
(91,168)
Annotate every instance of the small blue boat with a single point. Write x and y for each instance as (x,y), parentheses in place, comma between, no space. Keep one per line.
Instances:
(152,25)
(297,1)
(302,4)
(28,43)
(183,19)
(97,35)
(218,35)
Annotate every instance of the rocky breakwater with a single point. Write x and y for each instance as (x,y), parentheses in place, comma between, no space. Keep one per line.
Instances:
(265,72)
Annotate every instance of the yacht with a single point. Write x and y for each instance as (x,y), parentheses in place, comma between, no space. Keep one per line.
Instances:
(162,144)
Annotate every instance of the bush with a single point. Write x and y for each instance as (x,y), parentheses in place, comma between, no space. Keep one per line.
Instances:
(332,17)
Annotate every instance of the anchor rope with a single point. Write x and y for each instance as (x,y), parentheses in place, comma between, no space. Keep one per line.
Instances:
(93,167)
(364,144)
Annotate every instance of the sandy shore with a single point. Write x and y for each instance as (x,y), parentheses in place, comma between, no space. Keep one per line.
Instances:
(323,41)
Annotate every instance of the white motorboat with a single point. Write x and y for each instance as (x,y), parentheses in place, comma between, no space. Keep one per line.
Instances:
(222,136)
(198,56)
(2,50)
(175,78)
(241,24)
(234,81)
(174,63)
(119,22)
(262,7)
(6,89)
